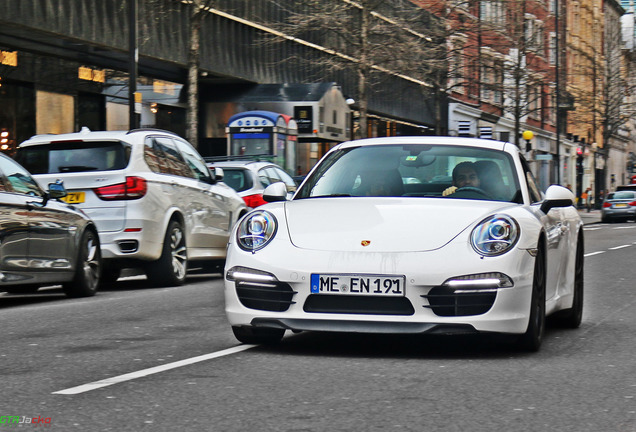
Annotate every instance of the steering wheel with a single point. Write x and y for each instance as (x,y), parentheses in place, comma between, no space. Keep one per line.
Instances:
(471,192)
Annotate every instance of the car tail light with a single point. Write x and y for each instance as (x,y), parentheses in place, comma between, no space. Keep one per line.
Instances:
(133,188)
(606,205)
(254,200)
(633,203)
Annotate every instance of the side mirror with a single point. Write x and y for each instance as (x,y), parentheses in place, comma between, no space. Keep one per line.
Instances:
(57,190)
(216,173)
(275,192)
(557,196)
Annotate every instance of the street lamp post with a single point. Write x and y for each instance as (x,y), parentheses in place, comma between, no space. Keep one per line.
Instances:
(528,135)
(133,57)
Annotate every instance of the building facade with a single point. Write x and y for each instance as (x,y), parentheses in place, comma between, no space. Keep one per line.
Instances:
(66,64)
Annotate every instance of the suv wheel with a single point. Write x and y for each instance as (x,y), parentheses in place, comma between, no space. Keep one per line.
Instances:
(170,269)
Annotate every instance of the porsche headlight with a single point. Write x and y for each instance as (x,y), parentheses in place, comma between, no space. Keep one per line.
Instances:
(495,235)
(256,230)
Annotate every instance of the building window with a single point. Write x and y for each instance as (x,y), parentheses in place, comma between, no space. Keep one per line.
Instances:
(463,128)
(55,113)
(534,100)
(456,72)
(493,12)
(534,34)
(553,48)
(485,132)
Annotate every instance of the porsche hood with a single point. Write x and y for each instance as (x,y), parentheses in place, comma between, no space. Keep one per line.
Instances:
(382,224)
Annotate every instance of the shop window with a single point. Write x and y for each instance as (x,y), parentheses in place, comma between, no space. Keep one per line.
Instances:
(55,113)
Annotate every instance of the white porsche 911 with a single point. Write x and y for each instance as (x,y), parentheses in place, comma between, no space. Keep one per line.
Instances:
(409,235)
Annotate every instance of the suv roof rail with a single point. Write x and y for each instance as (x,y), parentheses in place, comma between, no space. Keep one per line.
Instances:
(256,158)
(152,130)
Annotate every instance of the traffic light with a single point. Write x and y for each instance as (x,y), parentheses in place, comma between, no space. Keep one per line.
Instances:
(579,160)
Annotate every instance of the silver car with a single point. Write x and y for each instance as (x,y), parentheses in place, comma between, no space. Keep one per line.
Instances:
(154,201)
(619,205)
(44,241)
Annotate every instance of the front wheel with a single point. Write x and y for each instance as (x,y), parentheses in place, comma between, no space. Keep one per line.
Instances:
(88,267)
(170,269)
(533,337)
(255,335)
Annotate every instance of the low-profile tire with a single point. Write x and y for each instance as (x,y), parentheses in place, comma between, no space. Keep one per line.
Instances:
(171,268)
(256,335)
(533,337)
(88,267)
(572,317)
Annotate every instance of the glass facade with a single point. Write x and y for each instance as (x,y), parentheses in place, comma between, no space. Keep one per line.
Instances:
(41,94)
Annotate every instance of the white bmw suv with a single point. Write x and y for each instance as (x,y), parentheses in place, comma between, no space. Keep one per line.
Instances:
(155,203)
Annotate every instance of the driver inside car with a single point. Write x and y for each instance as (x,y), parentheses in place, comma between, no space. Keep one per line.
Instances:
(464,175)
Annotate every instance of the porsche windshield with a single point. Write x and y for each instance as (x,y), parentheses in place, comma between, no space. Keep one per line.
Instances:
(415,171)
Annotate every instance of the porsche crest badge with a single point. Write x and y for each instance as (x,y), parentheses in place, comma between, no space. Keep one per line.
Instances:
(365,242)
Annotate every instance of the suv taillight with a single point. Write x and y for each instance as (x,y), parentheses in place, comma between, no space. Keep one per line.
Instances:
(133,188)
(606,205)
(254,200)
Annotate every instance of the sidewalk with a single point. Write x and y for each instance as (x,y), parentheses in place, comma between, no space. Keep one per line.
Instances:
(594,216)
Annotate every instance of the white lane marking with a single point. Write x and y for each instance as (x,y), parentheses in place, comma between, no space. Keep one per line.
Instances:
(619,247)
(590,229)
(624,227)
(153,370)
(593,253)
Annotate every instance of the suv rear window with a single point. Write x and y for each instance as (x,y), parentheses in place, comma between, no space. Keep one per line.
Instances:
(237,179)
(63,157)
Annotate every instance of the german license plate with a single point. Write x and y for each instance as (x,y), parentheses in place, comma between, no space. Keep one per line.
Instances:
(620,205)
(74,197)
(367,285)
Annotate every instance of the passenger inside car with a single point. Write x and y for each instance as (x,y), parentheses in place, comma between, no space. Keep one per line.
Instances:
(380,183)
(491,180)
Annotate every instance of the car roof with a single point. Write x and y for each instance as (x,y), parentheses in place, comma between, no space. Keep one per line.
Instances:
(434,140)
(629,187)
(87,135)
(241,164)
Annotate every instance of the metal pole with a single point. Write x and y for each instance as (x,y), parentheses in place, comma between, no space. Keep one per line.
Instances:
(558,92)
(133,57)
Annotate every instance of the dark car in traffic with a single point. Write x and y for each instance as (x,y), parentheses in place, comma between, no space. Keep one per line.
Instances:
(44,241)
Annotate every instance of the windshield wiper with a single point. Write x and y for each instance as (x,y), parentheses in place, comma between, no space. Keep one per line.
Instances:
(332,195)
(324,196)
